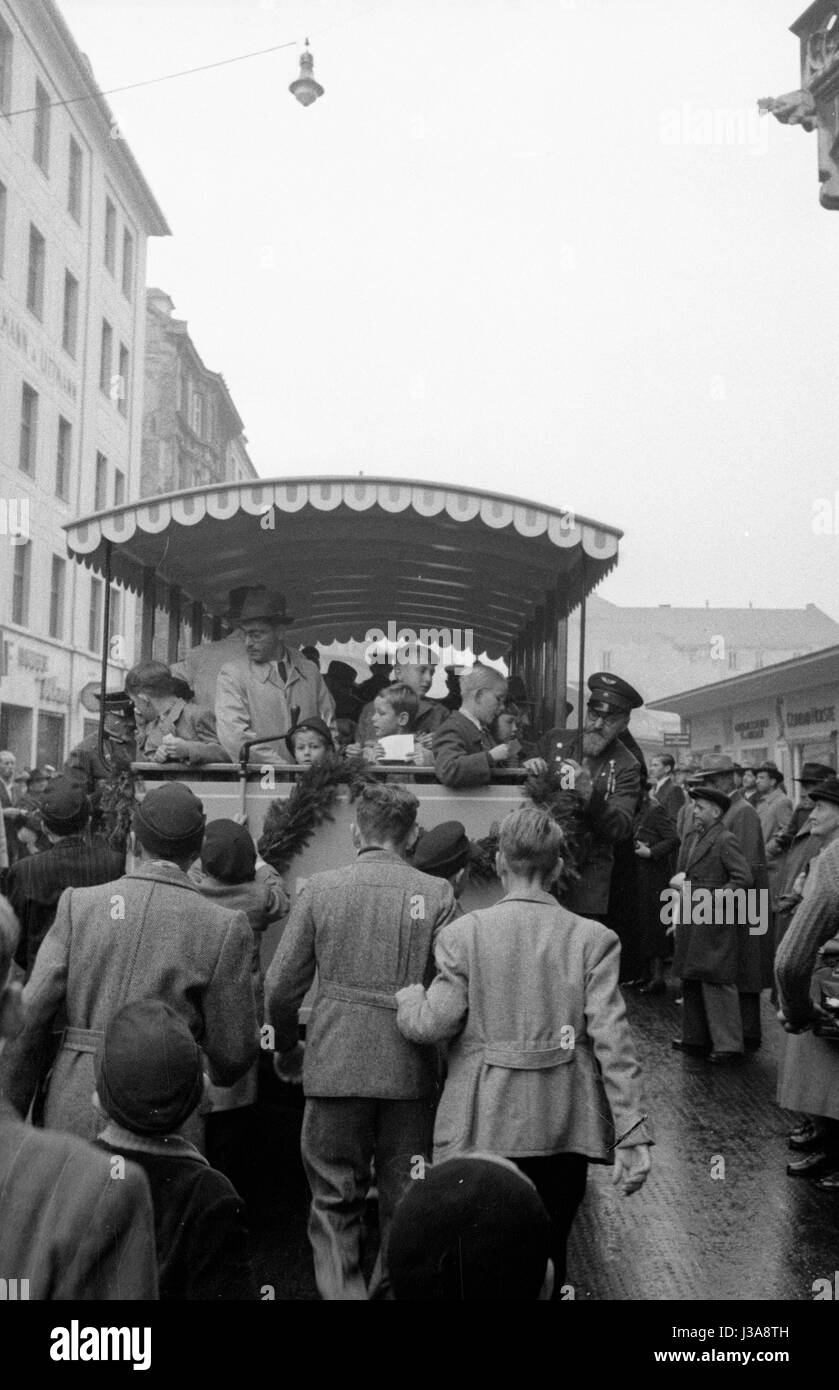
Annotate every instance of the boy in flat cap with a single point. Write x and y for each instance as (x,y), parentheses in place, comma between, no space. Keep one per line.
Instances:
(706,955)
(607,776)
(147,934)
(149,1080)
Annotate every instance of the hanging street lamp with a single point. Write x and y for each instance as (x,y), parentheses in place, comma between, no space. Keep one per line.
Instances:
(305,88)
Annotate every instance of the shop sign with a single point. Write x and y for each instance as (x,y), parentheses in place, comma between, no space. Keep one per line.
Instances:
(31,660)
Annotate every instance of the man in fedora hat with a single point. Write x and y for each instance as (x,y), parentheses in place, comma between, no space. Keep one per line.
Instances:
(268,690)
(149,934)
(608,777)
(173,729)
(755,952)
(706,955)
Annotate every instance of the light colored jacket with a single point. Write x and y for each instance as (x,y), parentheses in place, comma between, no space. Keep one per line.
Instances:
(66,1225)
(774,812)
(368,929)
(149,935)
(251,701)
(542,1060)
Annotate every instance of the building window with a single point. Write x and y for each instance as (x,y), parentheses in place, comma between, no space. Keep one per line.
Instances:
(59,569)
(70,323)
(732,661)
(94,631)
(74,182)
(106,357)
(28,429)
(127,263)
(6,43)
(119,487)
(183,394)
(100,496)
(606,661)
(35,274)
(110,236)
(20,584)
(122,384)
(196,413)
(41,144)
(3,203)
(63,458)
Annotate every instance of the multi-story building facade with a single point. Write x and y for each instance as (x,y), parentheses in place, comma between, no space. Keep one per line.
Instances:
(192,431)
(75,216)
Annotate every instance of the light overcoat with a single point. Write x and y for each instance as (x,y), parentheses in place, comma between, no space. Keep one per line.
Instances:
(542,1061)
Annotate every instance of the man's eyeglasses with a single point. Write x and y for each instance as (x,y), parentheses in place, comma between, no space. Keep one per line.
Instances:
(604,713)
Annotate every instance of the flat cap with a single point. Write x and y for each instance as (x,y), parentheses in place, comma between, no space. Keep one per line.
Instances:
(702,793)
(443,850)
(64,806)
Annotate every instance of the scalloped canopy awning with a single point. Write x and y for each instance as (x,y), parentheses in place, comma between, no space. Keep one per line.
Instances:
(353,554)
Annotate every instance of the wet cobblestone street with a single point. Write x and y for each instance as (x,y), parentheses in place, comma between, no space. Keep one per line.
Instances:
(753,1233)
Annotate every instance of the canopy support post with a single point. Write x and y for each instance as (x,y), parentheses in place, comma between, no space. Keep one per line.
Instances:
(539,663)
(174,624)
(581,666)
(103,672)
(550,660)
(196,623)
(560,672)
(149,596)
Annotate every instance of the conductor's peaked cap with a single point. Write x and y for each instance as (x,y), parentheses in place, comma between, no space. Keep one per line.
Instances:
(613,691)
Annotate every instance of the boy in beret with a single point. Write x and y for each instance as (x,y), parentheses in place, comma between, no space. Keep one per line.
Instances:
(149,1081)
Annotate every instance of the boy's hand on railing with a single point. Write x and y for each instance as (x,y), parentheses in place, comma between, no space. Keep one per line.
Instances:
(499,753)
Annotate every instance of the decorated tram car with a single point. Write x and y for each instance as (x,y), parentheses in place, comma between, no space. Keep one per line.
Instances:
(355,557)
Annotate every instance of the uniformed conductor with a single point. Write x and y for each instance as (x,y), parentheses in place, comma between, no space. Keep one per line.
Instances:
(608,777)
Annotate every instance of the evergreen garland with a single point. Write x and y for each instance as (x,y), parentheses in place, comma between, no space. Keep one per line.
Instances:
(114,809)
(290,824)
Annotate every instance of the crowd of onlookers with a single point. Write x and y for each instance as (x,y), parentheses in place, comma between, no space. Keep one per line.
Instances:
(463,1067)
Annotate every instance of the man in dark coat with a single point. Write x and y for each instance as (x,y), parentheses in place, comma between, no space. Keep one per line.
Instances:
(608,776)
(706,955)
(665,790)
(754,971)
(74,860)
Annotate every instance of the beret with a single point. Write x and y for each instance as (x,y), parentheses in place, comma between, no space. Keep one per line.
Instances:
(149,1076)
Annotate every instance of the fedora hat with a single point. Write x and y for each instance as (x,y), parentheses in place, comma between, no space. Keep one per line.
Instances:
(811,773)
(827,791)
(262,603)
(771,769)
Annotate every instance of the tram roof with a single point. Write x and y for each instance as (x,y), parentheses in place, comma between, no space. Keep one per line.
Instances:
(352,554)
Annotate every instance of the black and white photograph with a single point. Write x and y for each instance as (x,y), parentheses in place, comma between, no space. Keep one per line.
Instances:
(419,667)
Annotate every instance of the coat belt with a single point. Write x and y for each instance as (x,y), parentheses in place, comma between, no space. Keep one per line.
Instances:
(518,1057)
(82,1039)
(350,994)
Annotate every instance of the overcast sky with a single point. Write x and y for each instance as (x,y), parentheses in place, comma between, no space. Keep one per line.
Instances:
(543,247)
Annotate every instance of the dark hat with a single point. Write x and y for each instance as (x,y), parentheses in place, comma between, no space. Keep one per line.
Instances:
(117,702)
(771,769)
(812,773)
(148,1068)
(612,691)
(712,763)
(227,852)
(702,793)
(37,774)
(317,725)
(262,603)
(64,806)
(827,791)
(170,821)
(443,850)
(341,672)
(472,1229)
